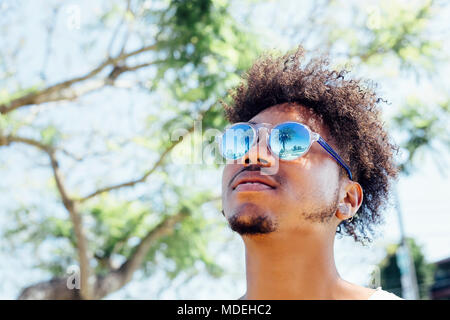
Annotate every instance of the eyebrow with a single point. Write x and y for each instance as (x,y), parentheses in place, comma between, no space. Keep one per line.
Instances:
(252,122)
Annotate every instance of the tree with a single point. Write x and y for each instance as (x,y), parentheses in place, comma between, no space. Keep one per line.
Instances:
(390,272)
(285,135)
(179,60)
(391,42)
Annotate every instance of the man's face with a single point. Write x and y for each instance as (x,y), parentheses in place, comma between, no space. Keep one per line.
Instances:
(304,193)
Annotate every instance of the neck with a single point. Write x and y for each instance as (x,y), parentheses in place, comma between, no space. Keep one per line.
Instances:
(293,265)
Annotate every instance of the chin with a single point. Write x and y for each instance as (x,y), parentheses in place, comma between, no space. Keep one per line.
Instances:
(250,219)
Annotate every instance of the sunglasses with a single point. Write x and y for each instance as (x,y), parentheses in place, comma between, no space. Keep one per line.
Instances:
(287,141)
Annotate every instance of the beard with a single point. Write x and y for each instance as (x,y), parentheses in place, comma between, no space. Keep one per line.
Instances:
(252,226)
(324,212)
(249,220)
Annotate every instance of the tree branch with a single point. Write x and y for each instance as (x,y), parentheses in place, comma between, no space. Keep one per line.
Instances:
(118,278)
(73,93)
(144,177)
(50,32)
(7,140)
(117,29)
(69,204)
(56,288)
(127,34)
(53,93)
(75,217)
(132,182)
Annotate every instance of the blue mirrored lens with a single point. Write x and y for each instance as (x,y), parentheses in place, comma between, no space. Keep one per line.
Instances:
(289,140)
(236,141)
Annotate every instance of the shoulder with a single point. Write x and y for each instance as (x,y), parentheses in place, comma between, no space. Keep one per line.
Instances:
(381,294)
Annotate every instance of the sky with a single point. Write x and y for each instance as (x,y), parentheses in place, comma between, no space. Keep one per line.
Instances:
(423,195)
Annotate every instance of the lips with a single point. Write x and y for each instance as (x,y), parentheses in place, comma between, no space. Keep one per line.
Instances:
(252,181)
(252,186)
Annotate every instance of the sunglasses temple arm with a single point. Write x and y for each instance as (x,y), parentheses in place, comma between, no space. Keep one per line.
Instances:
(333,153)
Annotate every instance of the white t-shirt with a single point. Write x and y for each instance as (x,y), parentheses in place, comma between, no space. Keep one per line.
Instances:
(380,294)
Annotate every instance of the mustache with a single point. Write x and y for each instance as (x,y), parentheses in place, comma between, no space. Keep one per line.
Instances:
(252,167)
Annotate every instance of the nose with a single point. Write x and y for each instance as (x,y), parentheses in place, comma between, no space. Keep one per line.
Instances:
(259,153)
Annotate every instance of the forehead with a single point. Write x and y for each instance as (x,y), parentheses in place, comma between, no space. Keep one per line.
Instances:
(290,112)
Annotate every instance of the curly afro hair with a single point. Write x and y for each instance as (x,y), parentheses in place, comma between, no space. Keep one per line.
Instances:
(348,108)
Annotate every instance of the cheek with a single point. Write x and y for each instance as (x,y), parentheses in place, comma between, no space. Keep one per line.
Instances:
(228,172)
(310,187)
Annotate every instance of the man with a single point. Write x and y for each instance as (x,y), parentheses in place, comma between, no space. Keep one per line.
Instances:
(308,158)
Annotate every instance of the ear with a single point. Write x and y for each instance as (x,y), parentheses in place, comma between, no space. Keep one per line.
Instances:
(351,200)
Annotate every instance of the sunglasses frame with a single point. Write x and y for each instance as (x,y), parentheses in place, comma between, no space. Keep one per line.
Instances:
(313,137)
